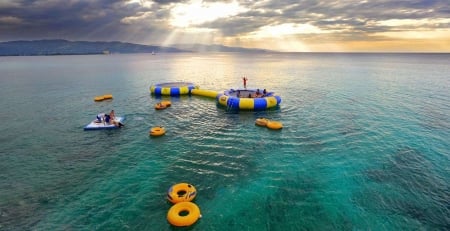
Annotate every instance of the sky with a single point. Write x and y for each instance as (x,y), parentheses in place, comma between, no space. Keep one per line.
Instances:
(282,25)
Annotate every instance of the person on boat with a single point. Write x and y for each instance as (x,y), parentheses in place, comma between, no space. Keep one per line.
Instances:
(100,118)
(245,81)
(264,92)
(112,115)
(111,118)
(107,118)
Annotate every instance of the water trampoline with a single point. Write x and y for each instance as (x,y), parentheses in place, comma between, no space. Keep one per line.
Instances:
(172,89)
(248,99)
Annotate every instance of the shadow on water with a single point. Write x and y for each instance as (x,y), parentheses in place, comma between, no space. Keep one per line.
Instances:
(296,205)
(410,188)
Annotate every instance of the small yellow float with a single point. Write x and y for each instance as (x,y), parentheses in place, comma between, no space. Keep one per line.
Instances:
(275,125)
(102,97)
(183,214)
(157,131)
(261,122)
(160,106)
(163,105)
(99,98)
(166,103)
(181,192)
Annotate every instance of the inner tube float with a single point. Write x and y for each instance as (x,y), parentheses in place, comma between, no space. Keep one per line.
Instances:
(166,103)
(275,125)
(181,192)
(157,131)
(160,106)
(183,214)
(261,122)
(248,99)
(172,89)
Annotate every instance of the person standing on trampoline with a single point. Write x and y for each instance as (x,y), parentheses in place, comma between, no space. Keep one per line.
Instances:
(245,81)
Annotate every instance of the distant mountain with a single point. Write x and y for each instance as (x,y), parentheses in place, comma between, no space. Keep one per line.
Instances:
(65,47)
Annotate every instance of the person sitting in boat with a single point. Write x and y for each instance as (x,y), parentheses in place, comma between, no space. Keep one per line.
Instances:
(100,118)
(107,118)
(112,115)
(111,119)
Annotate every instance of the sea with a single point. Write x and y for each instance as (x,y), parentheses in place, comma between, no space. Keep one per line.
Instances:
(365,143)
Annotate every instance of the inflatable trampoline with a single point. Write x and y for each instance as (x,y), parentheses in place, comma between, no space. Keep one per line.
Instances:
(172,89)
(248,99)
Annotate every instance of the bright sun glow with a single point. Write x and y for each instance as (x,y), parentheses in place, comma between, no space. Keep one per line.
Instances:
(413,22)
(286,29)
(196,12)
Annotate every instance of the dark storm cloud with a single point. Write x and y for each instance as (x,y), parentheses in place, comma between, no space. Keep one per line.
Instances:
(75,20)
(140,20)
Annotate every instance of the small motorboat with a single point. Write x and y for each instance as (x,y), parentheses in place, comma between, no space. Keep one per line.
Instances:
(99,125)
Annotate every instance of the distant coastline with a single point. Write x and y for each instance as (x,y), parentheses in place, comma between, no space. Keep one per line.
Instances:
(54,47)
(65,47)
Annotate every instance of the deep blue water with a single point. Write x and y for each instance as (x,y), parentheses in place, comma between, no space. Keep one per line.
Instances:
(365,143)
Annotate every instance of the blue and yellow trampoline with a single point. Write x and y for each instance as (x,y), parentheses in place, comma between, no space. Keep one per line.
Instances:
(248,99)
(172,89)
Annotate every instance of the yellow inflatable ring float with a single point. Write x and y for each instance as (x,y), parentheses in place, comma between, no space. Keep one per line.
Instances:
(181,192)
(183,214)
(166,103)
(157,131)
(160,106)
(275,125)
(261,122)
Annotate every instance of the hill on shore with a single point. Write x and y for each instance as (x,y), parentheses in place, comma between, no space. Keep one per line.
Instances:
(65,47)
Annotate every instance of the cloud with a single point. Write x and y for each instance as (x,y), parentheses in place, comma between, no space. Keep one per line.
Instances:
(233,21)
(5,20)
(198,12)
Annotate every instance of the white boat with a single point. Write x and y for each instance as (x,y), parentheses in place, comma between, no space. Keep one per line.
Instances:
(96,125)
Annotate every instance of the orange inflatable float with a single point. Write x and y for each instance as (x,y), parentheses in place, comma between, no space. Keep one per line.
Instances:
(157,131)
(183,214)
(181,192)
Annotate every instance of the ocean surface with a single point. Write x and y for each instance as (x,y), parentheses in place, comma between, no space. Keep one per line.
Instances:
(365,143)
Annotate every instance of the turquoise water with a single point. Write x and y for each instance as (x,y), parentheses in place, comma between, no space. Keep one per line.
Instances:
(365,143)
